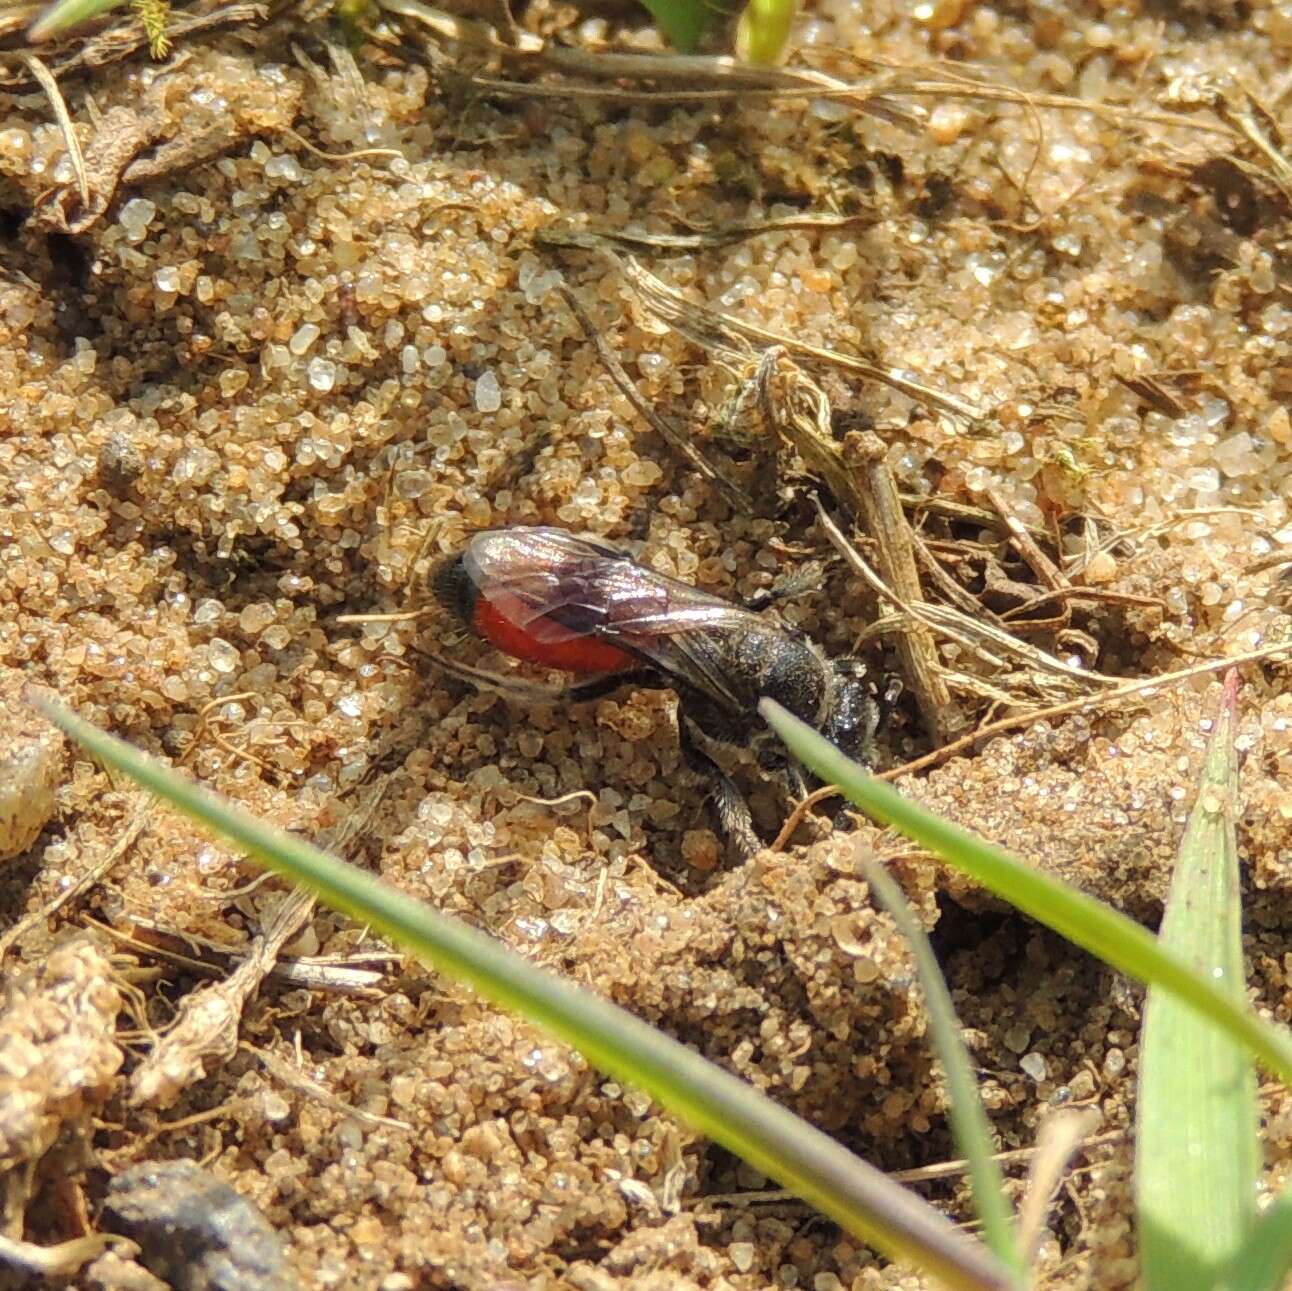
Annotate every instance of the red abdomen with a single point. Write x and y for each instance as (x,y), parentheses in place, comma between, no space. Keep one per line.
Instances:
(575,654)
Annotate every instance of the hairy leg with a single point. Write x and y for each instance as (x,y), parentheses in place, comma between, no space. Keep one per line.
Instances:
(734,821)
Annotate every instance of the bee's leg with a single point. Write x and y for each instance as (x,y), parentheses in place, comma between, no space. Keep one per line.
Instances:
(534,693)
(794,778)
(734,820)
(606,684)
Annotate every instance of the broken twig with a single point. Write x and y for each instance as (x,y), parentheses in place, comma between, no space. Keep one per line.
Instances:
(887,525)
(89,878)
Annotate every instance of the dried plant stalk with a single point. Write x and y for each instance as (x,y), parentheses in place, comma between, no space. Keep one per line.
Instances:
(206,1030)
(711,329)
(886,522)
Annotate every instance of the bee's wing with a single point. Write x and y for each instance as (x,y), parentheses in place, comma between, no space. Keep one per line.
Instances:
(554,584)
(688,650)
(559,586)
(682,636)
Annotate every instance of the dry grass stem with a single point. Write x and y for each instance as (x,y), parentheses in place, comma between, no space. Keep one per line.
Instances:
(801,809)
(1058,1140)
(45,79)
(205,1030)
(1104,594)
(397,616)
(959,596)
(720,76)
(358,154)
(718,72)
(1041,565)
(296,1079)
(1089,703)
(958,511)
(352,976)
(119,137)
(918,1174)
(726,334)
(992,645)
(718,235)
(965,683)
(90,878)
(885,521)
(670,434)
(967,88)
(696,78)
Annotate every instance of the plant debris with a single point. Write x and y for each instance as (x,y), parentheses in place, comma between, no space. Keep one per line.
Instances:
(119,42)
(58,1063)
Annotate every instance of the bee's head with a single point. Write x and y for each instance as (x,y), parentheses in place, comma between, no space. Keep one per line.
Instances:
(853,716)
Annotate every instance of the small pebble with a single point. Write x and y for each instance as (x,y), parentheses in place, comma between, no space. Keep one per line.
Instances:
(1034,1065)
(196,1232)
(321,374)
(488,393)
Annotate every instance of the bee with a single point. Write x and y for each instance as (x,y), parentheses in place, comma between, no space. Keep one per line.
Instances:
(580,604)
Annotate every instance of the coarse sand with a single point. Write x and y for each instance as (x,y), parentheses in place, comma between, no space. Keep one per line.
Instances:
(266,383)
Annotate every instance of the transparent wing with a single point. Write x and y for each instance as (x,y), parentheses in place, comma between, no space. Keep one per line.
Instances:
(696,657)
(559,586)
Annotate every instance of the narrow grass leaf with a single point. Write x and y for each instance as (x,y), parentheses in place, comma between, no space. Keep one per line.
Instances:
(811,1164)
(1103,931)
(968,1118)
(66,14)
(1197,1156)
(763,32)
(1263,1262)
(683,21)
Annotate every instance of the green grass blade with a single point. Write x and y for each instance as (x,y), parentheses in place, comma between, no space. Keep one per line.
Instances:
(1263,1262)
(763,32)
(66,14)
(683,21)
(968,1118)
(1197,1156)
(1085,922)
(808,1162)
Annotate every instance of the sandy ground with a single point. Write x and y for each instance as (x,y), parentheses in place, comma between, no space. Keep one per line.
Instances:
(246,397)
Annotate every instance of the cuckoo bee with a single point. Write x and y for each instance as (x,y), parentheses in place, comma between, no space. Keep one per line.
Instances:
(581,604)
